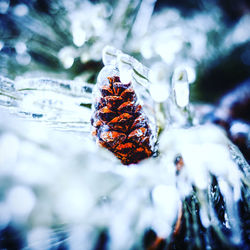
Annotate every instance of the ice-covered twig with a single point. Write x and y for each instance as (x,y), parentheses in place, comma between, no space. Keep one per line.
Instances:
(61,104)
(73,88)
(128,65)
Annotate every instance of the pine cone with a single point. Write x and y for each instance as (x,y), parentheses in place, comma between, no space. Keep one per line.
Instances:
(120,124)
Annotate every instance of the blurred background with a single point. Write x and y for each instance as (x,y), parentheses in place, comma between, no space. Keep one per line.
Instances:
(64,39)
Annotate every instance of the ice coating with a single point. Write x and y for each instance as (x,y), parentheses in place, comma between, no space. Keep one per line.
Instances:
(137,198)
(137,71)
(205,154)
(196,166)
(129,69)
(62,104)
(119,122)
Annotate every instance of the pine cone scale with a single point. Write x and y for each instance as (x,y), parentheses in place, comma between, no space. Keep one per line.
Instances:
(119,123)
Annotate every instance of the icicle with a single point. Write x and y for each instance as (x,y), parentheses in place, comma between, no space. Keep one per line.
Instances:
(166,200)
(181,88)
(178,107)
(115,57)
(232,210)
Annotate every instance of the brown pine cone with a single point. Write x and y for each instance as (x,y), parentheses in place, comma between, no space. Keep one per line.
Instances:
(119,123)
